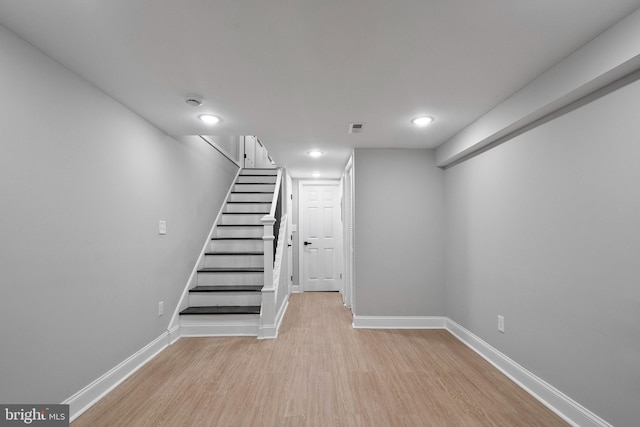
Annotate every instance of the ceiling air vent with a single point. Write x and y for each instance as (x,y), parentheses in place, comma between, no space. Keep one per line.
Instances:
(356,127)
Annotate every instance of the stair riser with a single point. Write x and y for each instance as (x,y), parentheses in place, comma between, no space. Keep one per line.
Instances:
(197,299)
(243,179)
(236,245)
(233,261)
(211,279)
(242,218)
(251,197)
(249,188)
(239,231)
(248,207)
(259,172)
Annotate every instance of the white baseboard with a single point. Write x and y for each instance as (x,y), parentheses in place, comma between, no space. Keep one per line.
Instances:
(567,408)
(91,394)
(399,322)
(174,334)
(295,289)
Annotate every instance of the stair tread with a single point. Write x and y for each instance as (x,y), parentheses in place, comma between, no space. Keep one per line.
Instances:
(241,201)
(227,288)
(245,213)
(236,238)
(240,253)
(223,309)
(231,270)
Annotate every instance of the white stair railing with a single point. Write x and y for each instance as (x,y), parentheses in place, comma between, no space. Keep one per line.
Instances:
(268,327)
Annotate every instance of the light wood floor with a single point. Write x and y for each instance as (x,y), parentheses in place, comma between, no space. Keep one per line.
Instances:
(319,372)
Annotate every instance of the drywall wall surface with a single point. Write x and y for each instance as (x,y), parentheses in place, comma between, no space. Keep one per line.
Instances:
(398,233)
(84,182)
(545,231)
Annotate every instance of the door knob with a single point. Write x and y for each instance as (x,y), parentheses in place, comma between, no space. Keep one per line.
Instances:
(307,243)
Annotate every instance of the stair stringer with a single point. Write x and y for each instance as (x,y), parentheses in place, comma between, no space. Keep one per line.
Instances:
(174,324)
(271,315)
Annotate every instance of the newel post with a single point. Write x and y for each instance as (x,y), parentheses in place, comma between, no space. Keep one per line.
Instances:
(268,313)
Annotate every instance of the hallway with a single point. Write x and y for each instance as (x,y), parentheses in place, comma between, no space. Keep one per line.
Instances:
(320,372)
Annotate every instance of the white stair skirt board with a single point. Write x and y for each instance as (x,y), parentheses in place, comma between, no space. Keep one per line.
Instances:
(399,322)
(91,394)
(272,332)
(567,408)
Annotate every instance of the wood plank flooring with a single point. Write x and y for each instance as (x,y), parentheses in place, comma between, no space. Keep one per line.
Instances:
(319,372)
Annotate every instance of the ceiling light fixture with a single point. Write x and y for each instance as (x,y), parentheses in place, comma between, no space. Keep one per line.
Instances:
(209,119)
(422,121)
(316,174)
(315,153)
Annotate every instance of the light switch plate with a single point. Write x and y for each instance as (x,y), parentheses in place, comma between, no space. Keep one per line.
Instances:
(162,227)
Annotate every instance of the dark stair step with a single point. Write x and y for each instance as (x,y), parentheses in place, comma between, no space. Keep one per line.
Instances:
(234,253)
(223,309)
(236,238)
(242,201)
(231,270)
(255,183)
(227,288)
(252,192)
(245,213)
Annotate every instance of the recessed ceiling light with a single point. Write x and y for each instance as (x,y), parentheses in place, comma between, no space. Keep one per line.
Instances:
(422,121)
(209,119)
(315,153)
(316,174)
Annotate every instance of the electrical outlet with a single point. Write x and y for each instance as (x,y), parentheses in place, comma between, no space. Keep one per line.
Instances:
(160,308)
(162,227)
(500,323)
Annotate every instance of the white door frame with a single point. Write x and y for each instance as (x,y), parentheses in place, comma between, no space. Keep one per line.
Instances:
(289,250)
(301,185)
(347,242)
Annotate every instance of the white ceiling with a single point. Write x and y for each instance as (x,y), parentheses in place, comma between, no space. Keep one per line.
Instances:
(297,72)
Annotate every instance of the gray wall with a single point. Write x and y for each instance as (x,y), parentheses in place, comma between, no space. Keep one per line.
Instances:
(83,183)
(545,230)
(398,233)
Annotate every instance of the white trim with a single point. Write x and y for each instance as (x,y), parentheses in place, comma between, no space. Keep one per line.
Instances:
(219,329)
(220,149)
(567,408)
(272,332)
(175,319)
(561,404)
(295,289)
(92,393)
(399,322)
(174,334)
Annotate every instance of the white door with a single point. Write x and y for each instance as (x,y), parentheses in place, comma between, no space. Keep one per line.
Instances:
(321,236)
(249,151)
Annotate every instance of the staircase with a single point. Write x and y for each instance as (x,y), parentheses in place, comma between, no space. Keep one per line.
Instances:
(227,298)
